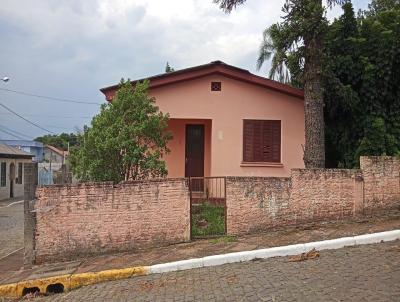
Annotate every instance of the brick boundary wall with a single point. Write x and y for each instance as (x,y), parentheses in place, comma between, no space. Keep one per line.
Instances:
(75,221)
(30,184)
(258,203)
(381,182)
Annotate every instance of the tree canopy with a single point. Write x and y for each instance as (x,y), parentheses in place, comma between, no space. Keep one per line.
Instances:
(60,141)
(168,68)
(298,39)
(361,72)
(126,141)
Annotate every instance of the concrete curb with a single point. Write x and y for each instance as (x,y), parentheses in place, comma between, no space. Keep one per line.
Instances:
(73,281)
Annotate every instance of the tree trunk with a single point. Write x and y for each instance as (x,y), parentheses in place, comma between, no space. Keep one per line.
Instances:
(314,153)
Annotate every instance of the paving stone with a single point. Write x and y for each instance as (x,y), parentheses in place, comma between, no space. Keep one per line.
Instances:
(364,273)
(11,226)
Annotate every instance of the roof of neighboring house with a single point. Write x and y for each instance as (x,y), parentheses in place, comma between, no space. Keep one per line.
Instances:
(22,143)
(11,152)
(215,67)
(56,150)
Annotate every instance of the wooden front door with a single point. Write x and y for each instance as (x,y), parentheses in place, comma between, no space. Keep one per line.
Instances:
(194,154)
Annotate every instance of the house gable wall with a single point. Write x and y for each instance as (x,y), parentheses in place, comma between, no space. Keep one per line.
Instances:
(227,109)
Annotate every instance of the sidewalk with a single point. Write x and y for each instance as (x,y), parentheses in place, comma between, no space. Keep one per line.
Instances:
(11,267)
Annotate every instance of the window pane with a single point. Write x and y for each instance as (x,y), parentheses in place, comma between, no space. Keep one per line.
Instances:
(3,172)
(20,173)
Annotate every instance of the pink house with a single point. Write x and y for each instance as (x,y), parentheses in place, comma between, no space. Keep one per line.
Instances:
(227,121)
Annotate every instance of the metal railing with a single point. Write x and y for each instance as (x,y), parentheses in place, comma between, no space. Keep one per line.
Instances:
(210,189)
(207,206)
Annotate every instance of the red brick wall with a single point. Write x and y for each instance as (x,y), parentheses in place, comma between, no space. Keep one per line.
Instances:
(94,218)
(319,194)
(258,203)
(381,182)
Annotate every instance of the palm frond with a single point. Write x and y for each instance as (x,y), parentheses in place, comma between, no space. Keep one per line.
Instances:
(228,5)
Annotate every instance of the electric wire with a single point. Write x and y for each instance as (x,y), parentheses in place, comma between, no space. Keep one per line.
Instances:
(25,119)
(14,131)
(50,97)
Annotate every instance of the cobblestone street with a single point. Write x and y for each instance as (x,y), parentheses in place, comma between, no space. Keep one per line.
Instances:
(11,226)
(364,273)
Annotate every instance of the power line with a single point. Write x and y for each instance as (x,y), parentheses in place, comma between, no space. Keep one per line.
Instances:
(50,97)
(14,131)
(9,133)
(58,127)
(50,116)
(30,122)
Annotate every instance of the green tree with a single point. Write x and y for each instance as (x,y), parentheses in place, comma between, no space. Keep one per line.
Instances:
(286,58)
(126,141)
(272,46)
(168,68)
(360,81)
(60,141)
(377,139)
(377,6)
(305,23)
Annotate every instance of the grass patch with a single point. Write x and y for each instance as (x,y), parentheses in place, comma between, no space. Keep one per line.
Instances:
(208,219)
(224,239)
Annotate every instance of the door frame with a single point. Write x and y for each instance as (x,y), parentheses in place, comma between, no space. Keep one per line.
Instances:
(202,126)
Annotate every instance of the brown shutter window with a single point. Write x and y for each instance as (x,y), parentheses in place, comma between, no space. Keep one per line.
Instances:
(262,141)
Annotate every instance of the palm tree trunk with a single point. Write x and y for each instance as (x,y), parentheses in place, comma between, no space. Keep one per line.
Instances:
(314,153)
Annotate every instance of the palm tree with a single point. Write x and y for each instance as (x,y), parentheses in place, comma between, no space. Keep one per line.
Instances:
(270,47)
(305,21)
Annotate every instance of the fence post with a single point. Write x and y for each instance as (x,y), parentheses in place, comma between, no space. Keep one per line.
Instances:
(30,184)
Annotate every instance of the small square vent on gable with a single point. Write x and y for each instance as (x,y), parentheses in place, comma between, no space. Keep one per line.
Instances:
(215,86)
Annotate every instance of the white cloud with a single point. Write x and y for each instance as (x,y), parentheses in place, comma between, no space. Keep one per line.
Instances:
(72,48)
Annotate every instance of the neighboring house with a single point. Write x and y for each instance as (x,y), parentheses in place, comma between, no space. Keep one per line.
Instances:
(12,171)
(227,121)
(54,163)
(32,147)
(54,155)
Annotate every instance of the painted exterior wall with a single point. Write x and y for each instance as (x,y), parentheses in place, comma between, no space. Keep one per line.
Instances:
(51,156)
(226,110)
(18,188)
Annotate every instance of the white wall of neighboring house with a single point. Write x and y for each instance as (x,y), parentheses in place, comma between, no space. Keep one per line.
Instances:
(53,157)
(18,188)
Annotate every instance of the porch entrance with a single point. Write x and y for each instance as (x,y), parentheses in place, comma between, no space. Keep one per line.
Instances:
(207,206)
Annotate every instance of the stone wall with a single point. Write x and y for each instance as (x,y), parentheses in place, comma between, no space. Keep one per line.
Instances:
(94,218)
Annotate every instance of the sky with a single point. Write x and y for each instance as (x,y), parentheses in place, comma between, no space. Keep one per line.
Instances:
(70,49)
